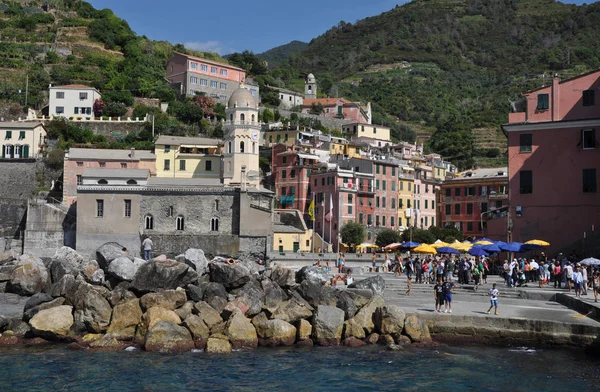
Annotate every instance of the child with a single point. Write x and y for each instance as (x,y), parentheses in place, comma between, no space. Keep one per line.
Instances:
(438,295)
(493,299)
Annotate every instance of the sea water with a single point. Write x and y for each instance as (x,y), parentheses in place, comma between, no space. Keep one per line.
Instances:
(472,368)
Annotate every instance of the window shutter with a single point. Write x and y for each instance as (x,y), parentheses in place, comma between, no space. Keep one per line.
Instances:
(26,151)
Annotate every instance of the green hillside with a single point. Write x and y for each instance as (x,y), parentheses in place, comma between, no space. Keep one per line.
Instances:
(283,54)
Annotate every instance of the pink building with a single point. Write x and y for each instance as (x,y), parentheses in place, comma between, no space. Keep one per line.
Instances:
(553,162)
(339,108)
(78,159)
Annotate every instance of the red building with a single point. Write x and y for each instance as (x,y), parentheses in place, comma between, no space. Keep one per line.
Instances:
(473,199)
(553,162)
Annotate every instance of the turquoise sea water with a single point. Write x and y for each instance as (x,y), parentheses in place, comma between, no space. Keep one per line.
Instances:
(342,369)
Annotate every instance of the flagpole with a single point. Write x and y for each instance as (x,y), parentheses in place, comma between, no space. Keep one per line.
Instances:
(312,222)
(330,219)
(323,219)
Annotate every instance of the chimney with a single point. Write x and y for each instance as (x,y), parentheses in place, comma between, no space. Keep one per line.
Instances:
(555,99)
(132,153)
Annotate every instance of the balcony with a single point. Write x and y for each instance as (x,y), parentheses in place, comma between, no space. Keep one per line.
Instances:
(519,117)
(365,189)
(240,123)
(286,200)
(498,196)
(406,176)
(348,187)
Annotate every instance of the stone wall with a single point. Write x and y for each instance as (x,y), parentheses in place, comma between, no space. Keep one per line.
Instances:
(13,213)
(48,228)
(212,245)
(116,128)
(331,123)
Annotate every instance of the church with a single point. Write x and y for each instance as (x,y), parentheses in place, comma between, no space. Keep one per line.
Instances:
(206,194)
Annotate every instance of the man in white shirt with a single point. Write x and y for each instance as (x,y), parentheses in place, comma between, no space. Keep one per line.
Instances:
(578,280)
(147,245)
(569,275)
(584,274)
(512,266)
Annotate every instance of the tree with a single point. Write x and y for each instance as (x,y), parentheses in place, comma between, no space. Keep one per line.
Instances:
(352,233)
(114,109)
(386,237)
(418,235)
(267,116)
(316,108)
(98,107)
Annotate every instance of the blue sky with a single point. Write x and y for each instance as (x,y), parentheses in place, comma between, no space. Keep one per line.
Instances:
(236,25)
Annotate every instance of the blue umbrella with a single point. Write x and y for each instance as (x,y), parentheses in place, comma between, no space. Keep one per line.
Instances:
(477,251)
(447,249)
(491,248)
(500,244)
(483,239)
(512,247)
(531,247)
(410,245)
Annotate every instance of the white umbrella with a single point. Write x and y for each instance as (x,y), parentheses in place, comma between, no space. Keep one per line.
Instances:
(590,261)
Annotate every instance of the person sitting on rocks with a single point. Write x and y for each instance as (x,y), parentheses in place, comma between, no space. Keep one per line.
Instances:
(341,278)
(230,261)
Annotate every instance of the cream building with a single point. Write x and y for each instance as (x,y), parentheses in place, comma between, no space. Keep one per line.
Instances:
(21,140)
(188,157)
(73,100)
(370,131)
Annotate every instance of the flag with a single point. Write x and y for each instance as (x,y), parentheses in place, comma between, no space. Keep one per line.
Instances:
(329,215)
(311,210)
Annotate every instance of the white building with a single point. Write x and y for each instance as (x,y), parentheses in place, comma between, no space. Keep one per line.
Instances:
(288,98)
(73,100)
(22,140)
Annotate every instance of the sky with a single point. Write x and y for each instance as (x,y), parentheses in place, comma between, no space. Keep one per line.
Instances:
(236,25)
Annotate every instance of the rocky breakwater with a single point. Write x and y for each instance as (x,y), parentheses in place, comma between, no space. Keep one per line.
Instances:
(114,301)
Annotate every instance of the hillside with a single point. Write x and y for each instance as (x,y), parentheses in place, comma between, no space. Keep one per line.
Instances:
(283,54)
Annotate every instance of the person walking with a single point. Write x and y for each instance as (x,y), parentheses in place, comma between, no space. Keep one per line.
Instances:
(147,245)
(493,299)
(584,274)
(409,274)
(448,287)
(569,275)
(596,284)
(577,280)
(438,295)
(418,271)
(557,274)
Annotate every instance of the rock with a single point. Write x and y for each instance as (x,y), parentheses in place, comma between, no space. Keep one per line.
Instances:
(120,294)
(160,258)
(52,323)
(237,303)
(218,303)
(253,295)
(328,323)
(66,285)
(402,340)
(312,274)
(36,300)
(218,346)
(394,347)
(197,327)
(107,343)
(273,293)
(304,343)
(66,261)
(214,289)
(386,340)
(8,256)
(284,277)
(219,329)
(195,258)
(273,333)
(6,271)
(29,276)
(304,329)
(293,310)
(364,317)
(157,314)
(247,262)
(389,319)
(125,318)
(186,310)
(92,272)
(229,275)
(350,302)
(167,299)
(91,308)
(166,336)
(416,329)
(375,283)
(353,342)
(317,294)
(208,314)
(8,340)
(19,327)
(34,307)
(372,338)
(195,293)
(109,252)
(122,268)
(165,275)
(352,329)
(3,286)
(240,331)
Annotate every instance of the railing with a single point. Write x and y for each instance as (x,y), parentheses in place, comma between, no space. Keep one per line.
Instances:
(403,176)
(85,118)
(498,196)
(242,123)
(347,187)
(365,188)
(286,199)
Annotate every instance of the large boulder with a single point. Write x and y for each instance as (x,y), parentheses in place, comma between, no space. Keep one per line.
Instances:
(196,292)
(352,329)
(122,268)
(163,275)
(389,319)
(229,275)
(364,317)
(312,274)
(328,324)
(253,295)
(92,272)
(253,267)
(374,283)
(216,345)
(350,301)
(121,294)
(416,329)
(125,318)
(284,277)
(194,258)
(8,256)
(293,310)
(40,302)
(197,327)
(212,290)
(109,252)
(272,333)
(317,294)
(185,310)
(167,299)
(166,336)
(65,285)
(273,293)
(304,330)
(91,308)
(156,314)
(208,314)
(66,261)
(29,276)
(6,271)
(240,331)
(52,323)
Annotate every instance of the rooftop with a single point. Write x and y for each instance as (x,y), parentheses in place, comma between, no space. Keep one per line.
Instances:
(327,101)
(213,62)
(281,228)
(75,87)
(116,173)
(109,155)
(20,125)
(185,140)
(489,173)
(183,182)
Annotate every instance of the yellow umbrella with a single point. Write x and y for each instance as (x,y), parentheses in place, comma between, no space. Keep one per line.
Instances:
(537,242)
(484,243)
(461,246)
(424,248)
(436,244)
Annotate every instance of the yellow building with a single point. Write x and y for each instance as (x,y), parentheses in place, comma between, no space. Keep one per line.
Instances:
(290,233)
(406,189)
(21,140)
(371,131)
(188,157)
(353,150)
(276,136)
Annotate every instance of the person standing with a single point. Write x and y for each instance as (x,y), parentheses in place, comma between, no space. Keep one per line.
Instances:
(577,280)
(438,295)
(584,274)
(596,285)
(147,245)
(569,275)
(448,287)
(418,271)
(557,275)
(410,267)
(493,299)
(450,267)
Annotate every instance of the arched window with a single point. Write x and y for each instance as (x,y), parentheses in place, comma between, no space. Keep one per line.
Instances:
(242,147)
(149,222)
(132,182)
(253,118)
(229,147)
(231,117)
(242,117)
(179,223)
(214,224)
(17,151)
(102,181)
(217,205)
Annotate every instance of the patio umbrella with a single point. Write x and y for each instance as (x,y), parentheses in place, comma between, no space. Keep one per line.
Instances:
(500,244)
(424,248)
(477,251)
(438,244)
(493,248)
(511,247)
(537,243)
(483,242)
(410,244)
(393,246)
(367,245)
(461,246)
(447,249)
(590,261)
